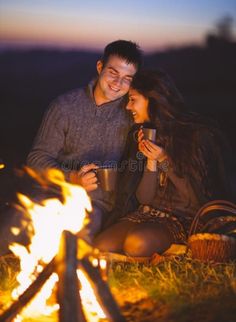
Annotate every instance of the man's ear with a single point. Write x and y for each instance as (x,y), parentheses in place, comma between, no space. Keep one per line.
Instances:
(99,66)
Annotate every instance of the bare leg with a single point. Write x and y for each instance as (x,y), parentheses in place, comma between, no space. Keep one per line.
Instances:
(147,238)
(112,239)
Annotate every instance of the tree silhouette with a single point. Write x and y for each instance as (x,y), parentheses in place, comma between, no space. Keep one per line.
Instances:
(223,33)
(224,28)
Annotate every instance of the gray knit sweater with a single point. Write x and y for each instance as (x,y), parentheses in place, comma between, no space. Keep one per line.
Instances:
(75,131)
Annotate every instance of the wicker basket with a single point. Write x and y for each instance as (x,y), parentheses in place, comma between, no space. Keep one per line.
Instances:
(210,246)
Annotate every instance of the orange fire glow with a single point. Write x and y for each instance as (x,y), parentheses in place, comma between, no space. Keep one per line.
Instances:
(49,219)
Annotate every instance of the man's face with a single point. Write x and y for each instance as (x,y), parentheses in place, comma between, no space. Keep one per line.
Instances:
(114,79)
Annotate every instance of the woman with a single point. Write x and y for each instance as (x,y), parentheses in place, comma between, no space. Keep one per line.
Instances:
(171,178)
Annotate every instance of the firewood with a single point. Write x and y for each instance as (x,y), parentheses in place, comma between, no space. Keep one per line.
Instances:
(28,294)
(115,257)
(101,291)
(68,286)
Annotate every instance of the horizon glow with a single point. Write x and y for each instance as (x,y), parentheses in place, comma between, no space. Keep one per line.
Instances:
(155,25)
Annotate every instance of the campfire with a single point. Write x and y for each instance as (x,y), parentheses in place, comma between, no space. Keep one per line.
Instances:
(57,261)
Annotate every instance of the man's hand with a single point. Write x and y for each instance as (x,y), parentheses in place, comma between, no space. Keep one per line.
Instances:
(85,177)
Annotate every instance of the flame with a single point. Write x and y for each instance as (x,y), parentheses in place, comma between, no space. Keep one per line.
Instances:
(93,310)
(49,219)
(2,166)
(103,264)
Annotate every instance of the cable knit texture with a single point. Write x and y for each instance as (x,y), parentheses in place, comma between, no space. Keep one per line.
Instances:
(75,131)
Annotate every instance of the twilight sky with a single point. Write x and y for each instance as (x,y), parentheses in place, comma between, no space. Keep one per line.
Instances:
(91,24)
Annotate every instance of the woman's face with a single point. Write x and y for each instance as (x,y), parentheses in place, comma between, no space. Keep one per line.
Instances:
(138,105)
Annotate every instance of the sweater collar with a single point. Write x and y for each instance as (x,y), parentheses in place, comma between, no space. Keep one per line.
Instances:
(90,89)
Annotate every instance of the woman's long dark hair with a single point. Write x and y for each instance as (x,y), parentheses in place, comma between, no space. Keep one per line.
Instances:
(178,129)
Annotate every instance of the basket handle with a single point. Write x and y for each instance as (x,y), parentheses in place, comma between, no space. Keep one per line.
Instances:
(211,206)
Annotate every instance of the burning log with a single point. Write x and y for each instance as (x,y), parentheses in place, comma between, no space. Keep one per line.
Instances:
(102,291)
(29,293)
(68,291)
(67,216)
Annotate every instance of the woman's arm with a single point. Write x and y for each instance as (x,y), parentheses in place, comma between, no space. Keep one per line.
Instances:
(146,190)
(157,160)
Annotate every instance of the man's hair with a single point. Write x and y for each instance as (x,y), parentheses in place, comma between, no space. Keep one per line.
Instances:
(128,50)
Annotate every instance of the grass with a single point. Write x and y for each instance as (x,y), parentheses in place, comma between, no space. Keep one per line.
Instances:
(174,290)
(180,287)
(9,268)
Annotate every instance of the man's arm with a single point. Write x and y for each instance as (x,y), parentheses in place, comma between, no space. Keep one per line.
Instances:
(49,140)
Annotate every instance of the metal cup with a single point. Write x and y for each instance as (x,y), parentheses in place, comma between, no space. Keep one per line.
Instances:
(107,178)
(150,134)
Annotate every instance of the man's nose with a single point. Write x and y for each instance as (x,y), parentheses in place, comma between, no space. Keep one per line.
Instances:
(118,81)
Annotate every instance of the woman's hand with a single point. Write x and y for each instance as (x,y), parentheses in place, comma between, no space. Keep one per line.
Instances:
(85,177)
(152,151)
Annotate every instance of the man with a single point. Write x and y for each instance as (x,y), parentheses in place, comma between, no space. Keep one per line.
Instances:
(88,126)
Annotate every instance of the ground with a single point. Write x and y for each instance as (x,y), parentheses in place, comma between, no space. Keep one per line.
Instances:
(176,289)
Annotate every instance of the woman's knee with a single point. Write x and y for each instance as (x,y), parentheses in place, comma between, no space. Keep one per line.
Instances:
(146,240)
(136,245)
(112,239)
(105,243)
